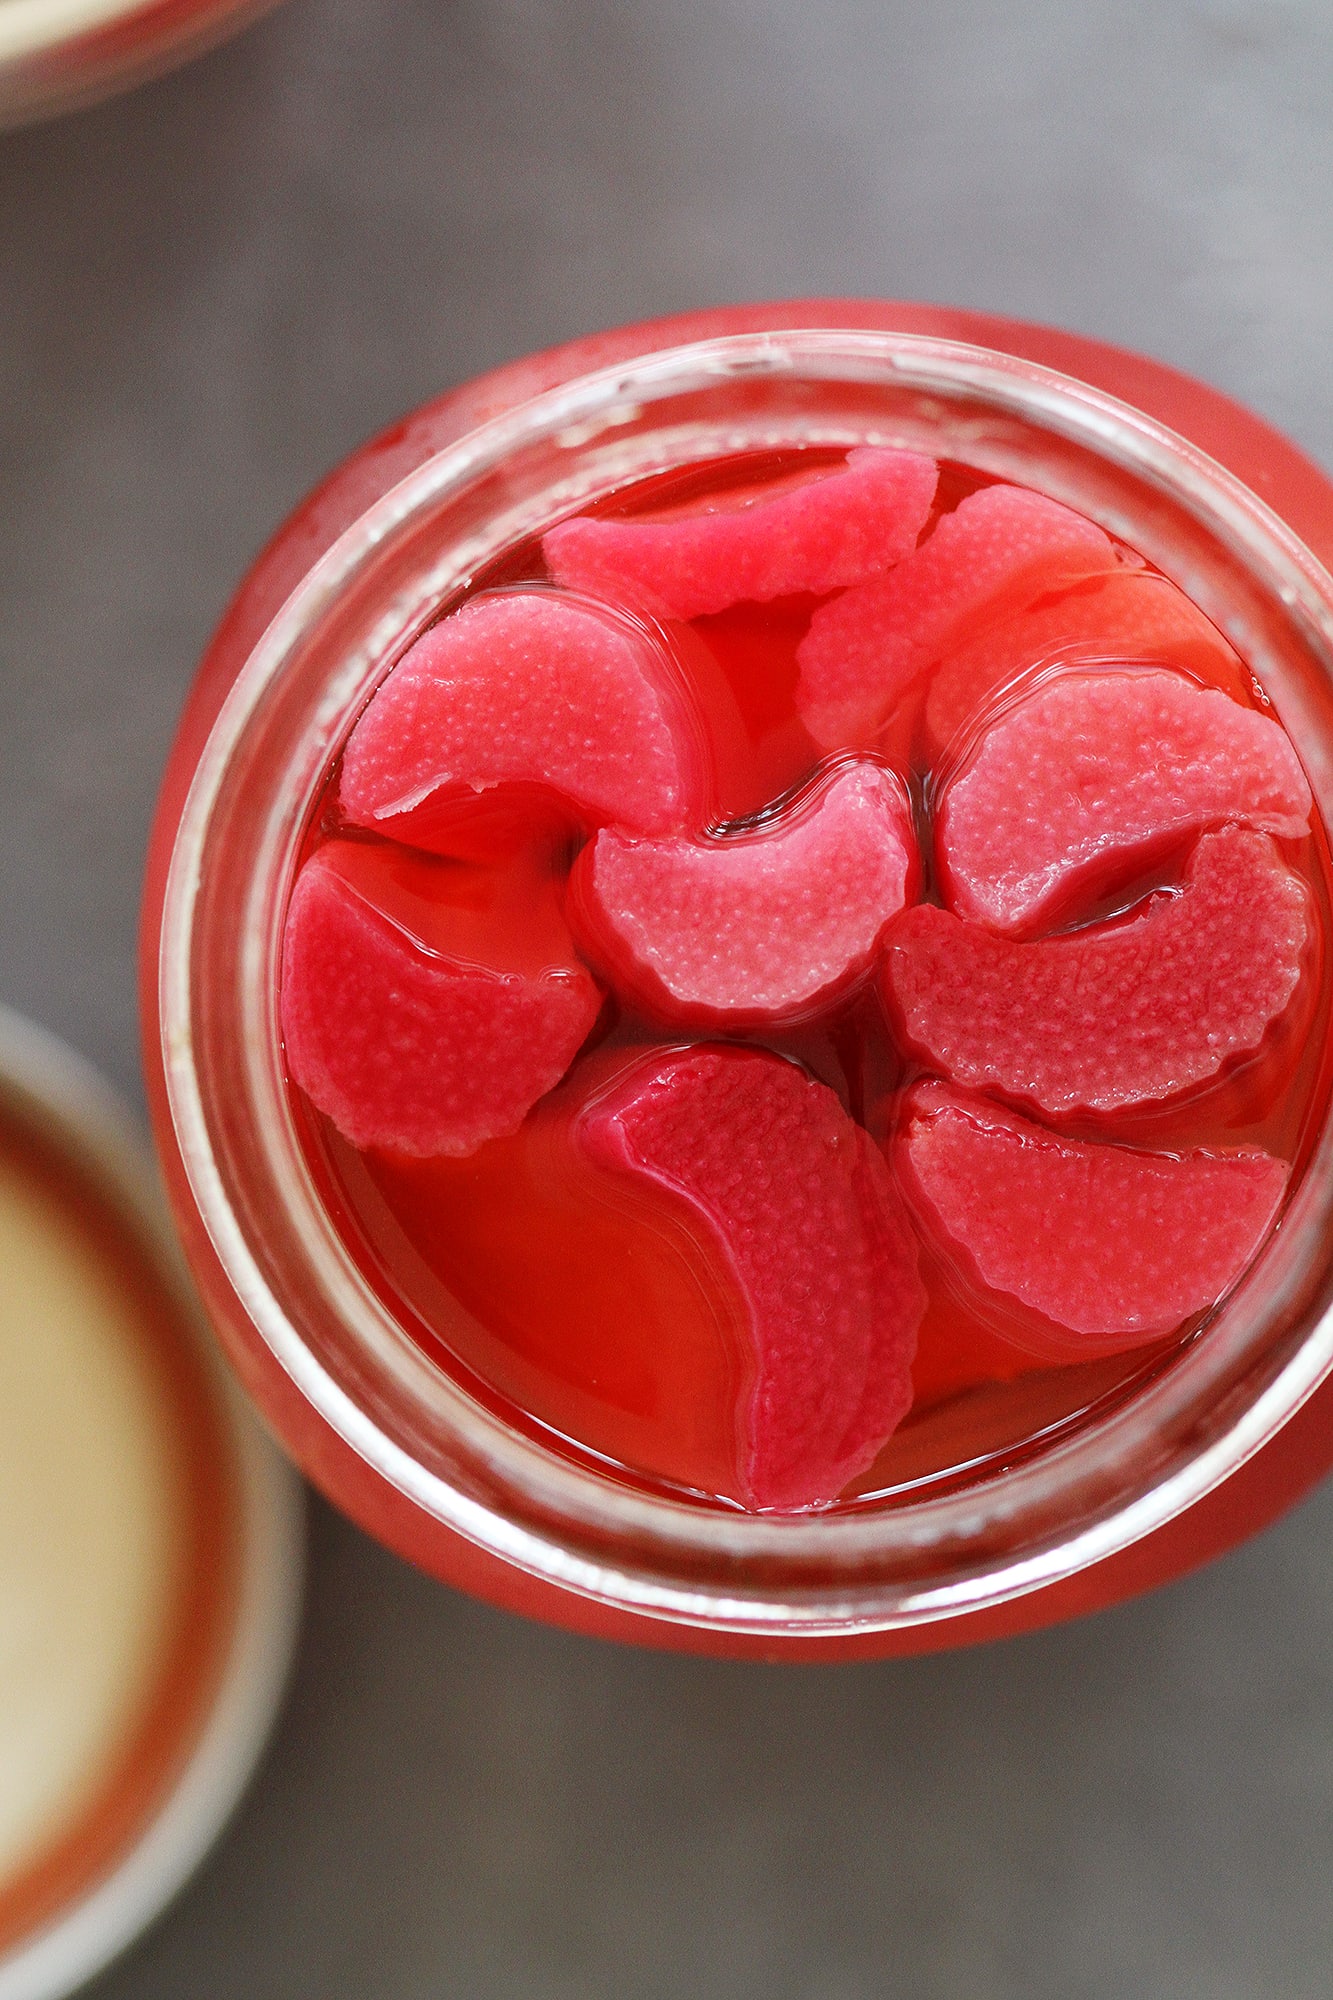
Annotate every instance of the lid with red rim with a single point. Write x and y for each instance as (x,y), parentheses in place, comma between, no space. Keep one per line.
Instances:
(150,1539)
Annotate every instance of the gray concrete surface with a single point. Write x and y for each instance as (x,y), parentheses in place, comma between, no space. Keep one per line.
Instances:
(209,291)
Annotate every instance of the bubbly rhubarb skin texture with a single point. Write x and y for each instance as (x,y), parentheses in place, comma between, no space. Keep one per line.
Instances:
(868,648)
(812,532)
(1105,1246)
(803,1222)
(1118,1015)
(532,688)
(424,1050)
(765,926)
(1121,616)
(1094,772)
(747,892)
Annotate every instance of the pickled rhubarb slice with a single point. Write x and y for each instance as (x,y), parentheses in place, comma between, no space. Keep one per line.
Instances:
(427,1006)
(866,648)
(533,690)
(1091,776)
(796,1214)
(816,534)
(1129,617)
(1119,1014)
(1106,1247)
(759,926)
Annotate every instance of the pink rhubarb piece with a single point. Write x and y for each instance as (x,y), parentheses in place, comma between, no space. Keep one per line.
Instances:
(865,649)
(816,534)
(766,925)
(793,1204)
(531,689)
(1127,617)
(1119,1014)
(1111,1248)
(1092,775)
(423,1025)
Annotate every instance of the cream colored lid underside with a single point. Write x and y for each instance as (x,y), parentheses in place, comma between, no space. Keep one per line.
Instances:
(28,26)
(88,1521)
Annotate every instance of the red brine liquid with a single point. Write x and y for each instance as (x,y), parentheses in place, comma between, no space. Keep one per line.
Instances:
(807,983)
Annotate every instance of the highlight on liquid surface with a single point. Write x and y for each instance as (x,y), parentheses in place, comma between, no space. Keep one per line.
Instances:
(809,980)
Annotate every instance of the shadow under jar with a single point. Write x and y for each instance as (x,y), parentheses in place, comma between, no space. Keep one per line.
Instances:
(1180,1454)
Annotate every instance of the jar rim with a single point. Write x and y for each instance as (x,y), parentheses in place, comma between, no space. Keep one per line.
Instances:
(868,1569)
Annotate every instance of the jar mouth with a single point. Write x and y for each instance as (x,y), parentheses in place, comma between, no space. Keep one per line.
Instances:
(906,1562)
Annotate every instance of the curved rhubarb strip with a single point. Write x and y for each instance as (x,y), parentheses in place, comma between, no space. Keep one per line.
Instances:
(1128,617)
(865,649)
(1118,1014)
(833,528)
(425,1009)
(1091,776)
(532,689)
(794,1209)
(766,925)
(1108,1247)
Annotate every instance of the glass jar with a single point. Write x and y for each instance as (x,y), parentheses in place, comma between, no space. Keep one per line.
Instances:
(1213,1447)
